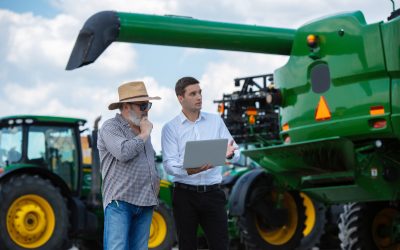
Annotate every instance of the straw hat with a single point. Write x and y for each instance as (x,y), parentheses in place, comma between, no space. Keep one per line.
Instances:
(132,92)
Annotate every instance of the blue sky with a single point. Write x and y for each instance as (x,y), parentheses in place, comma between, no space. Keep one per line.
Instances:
(38,7)
(38,36)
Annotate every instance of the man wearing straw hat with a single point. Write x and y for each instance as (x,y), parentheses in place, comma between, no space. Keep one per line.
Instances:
(130,181)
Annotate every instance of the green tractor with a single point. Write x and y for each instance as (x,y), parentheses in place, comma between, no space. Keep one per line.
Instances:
(49,193)
(339,115)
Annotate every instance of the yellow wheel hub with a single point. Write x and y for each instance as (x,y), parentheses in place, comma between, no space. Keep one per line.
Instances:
(282,235)
(310,214)
(384,219)
(30,221)
(158,230)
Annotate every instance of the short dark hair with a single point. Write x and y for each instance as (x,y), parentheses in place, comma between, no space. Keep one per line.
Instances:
(182,83)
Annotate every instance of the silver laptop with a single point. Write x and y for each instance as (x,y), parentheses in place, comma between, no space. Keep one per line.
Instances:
(198,153)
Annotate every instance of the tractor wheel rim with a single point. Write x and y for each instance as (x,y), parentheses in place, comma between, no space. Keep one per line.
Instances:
(158,230)
(30,221)
(285,233)
(310,214)
(384,219)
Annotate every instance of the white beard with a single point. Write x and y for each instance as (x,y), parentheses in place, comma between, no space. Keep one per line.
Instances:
(135,118)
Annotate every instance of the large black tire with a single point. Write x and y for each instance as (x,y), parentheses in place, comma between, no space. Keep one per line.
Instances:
(162,231)
(367,226)
(33,215)
(330,240)
(236,244)
(256,235)
(315,223)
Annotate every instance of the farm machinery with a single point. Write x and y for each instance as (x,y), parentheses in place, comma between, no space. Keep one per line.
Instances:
(254,123)
(339,114)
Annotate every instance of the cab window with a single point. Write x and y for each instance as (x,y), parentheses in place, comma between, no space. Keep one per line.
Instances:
(10,145)
(55,147)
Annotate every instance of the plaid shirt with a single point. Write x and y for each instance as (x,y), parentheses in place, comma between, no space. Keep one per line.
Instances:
(127,165)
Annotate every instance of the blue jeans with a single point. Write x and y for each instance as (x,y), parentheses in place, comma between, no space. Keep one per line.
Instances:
(126,226)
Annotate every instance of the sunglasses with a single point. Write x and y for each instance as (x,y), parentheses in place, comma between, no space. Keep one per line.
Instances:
(144,105)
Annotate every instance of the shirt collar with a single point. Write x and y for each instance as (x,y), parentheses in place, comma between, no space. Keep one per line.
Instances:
(121,120)
(183,118)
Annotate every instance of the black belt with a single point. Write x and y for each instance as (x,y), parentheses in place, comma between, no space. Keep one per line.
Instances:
(199,189)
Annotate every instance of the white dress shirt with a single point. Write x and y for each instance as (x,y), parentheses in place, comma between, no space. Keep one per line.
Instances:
(177,132)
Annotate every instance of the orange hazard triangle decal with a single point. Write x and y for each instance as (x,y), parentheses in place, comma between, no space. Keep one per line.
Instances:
(322,112)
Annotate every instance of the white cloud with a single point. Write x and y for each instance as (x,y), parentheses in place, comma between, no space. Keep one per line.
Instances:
(28,97)
(84,9)
(35,41)
(119,58)
(39,43)
(284,13)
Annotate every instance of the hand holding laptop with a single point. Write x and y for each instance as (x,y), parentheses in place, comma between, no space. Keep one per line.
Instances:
(205,167)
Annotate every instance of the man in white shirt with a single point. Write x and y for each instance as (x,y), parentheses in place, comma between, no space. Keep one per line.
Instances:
(197,197)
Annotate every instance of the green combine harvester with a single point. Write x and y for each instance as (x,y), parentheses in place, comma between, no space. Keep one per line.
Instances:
(339,103)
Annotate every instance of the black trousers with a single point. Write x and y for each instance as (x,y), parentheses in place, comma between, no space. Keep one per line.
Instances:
(192,208)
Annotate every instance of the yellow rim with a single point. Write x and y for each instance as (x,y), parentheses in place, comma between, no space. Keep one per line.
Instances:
(384,219)
(310,213)
(165,183)
(158,230)
(30,221)
(282,235)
